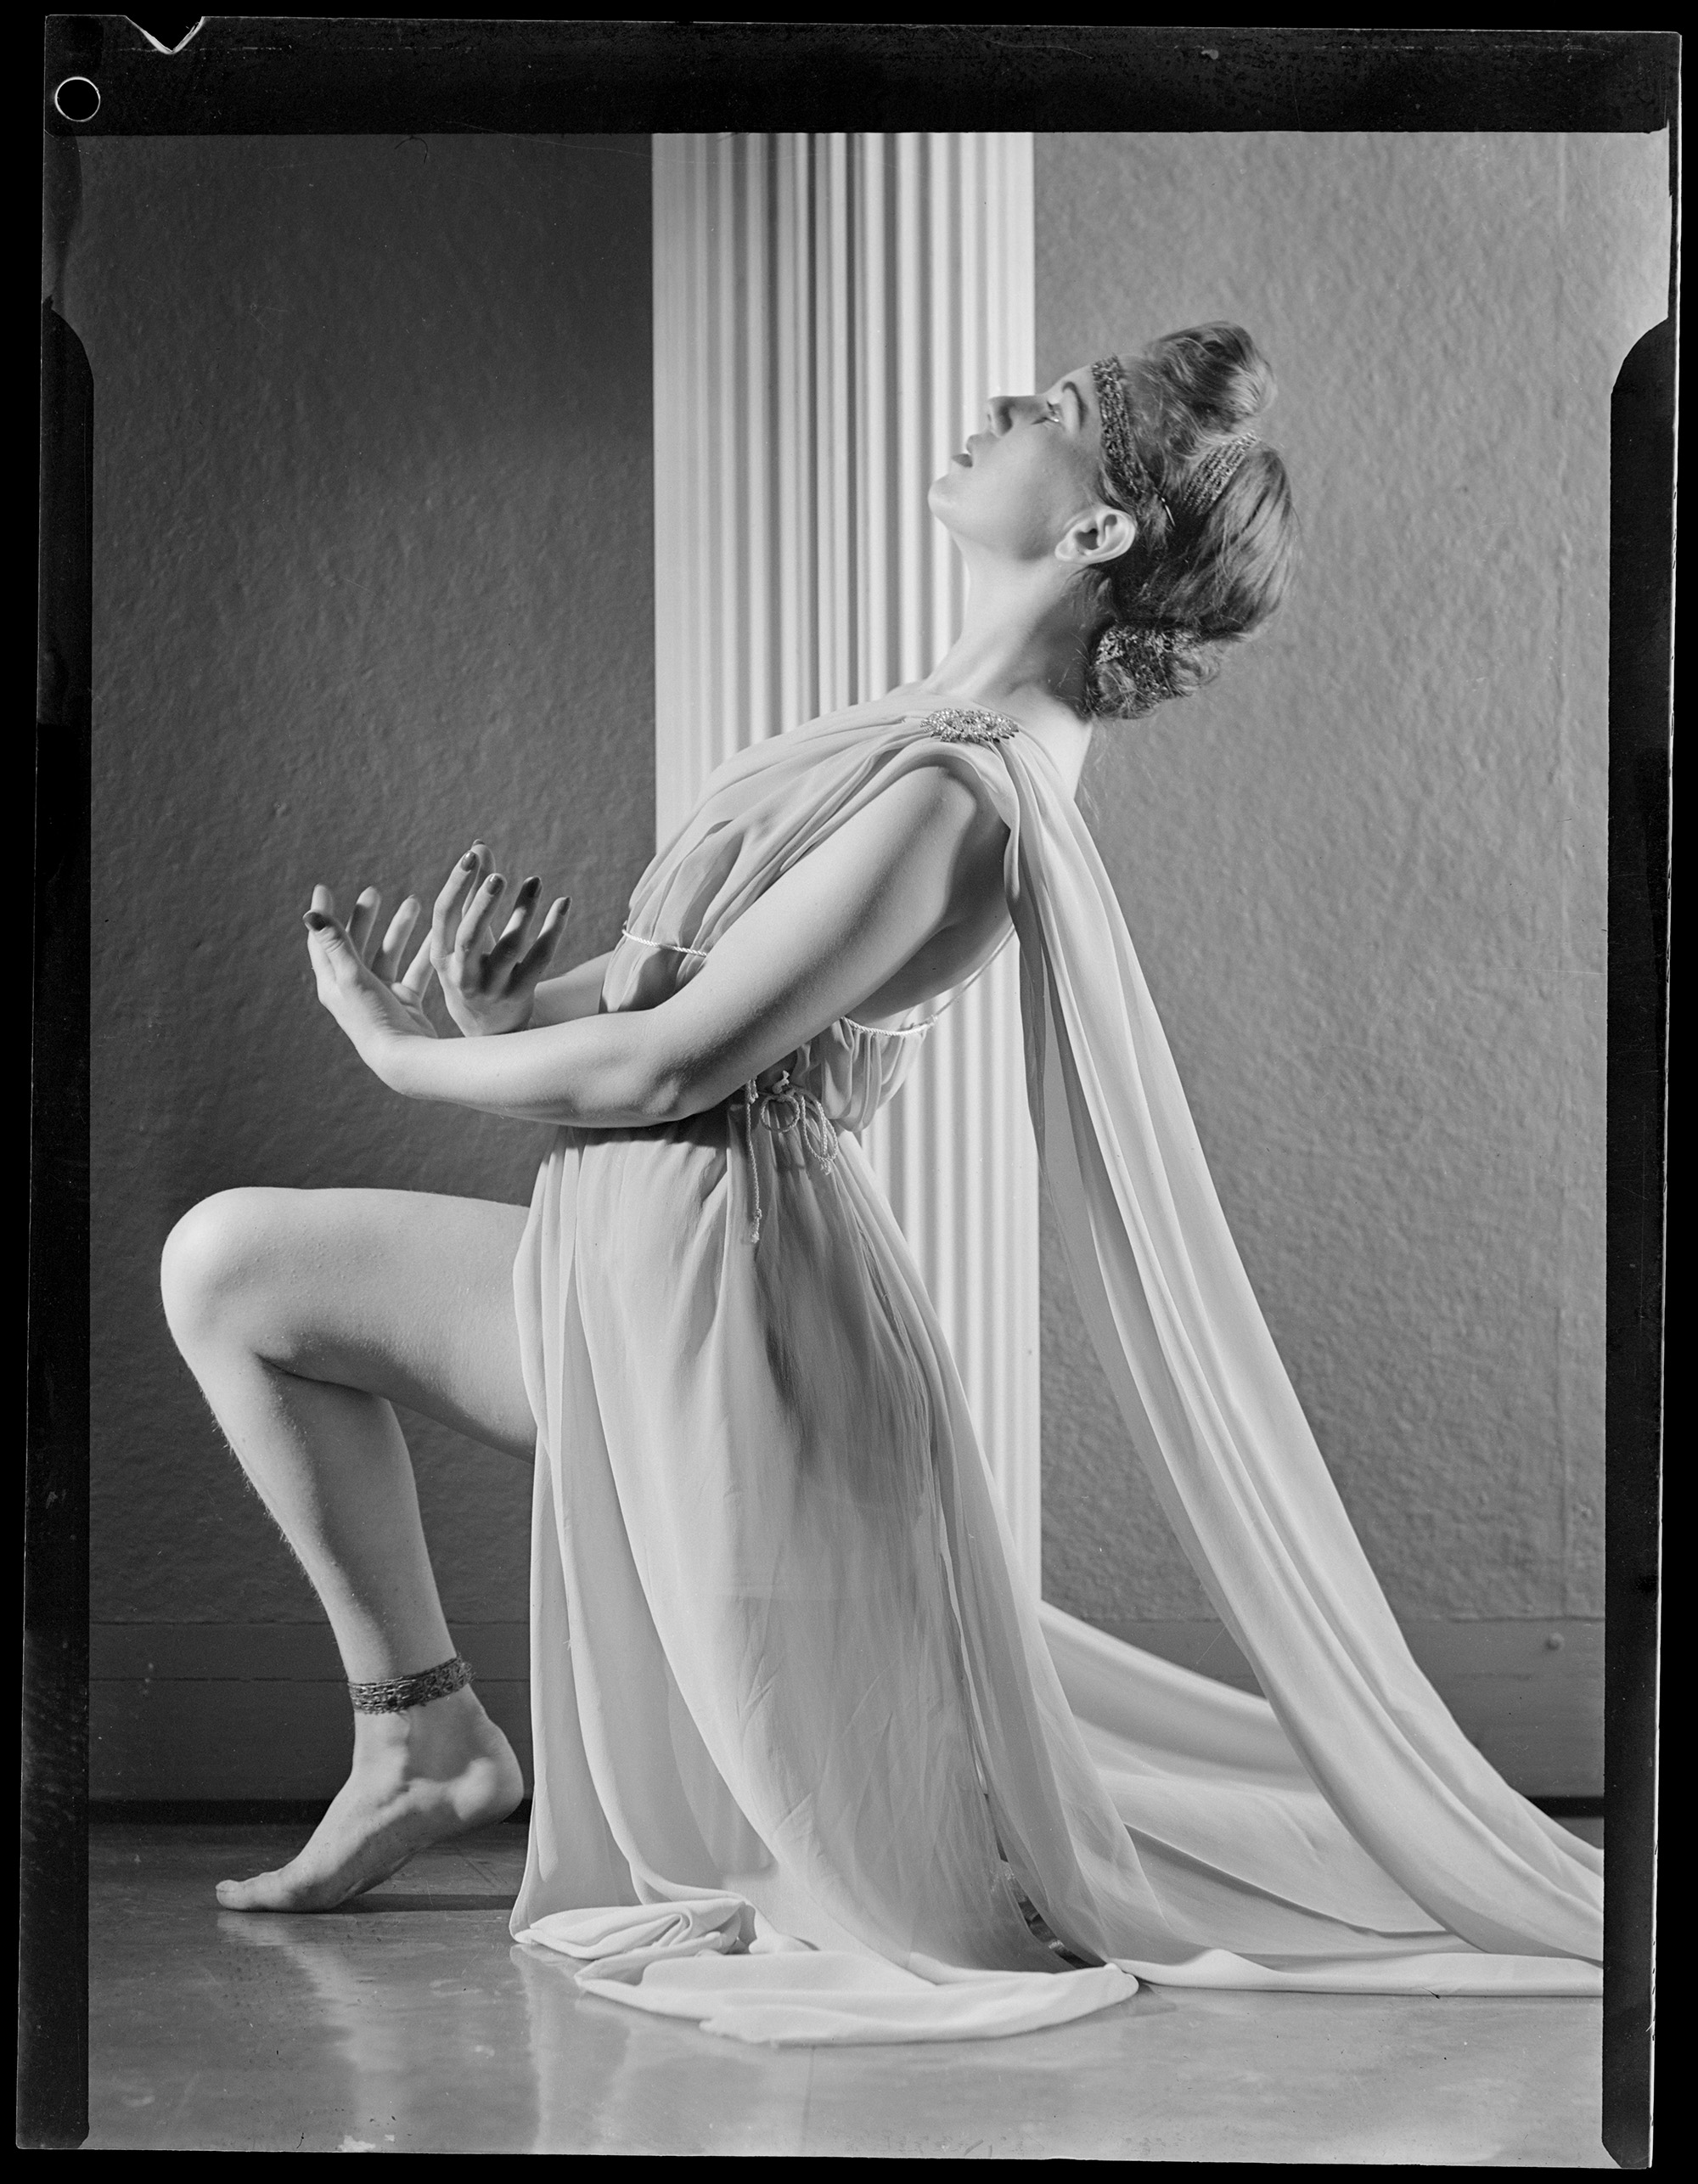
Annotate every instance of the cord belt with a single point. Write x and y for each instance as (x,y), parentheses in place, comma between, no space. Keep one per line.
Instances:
(784,1106)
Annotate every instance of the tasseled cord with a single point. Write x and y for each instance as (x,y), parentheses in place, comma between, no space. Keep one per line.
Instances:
(784,1106)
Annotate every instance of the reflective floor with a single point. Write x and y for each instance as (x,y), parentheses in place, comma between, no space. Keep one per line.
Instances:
(411,2023)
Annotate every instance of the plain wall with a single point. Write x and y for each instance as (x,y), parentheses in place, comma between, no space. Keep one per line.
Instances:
(1365,872)
(372,574)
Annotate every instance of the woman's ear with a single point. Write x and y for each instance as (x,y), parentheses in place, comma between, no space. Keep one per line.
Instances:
(1101,533)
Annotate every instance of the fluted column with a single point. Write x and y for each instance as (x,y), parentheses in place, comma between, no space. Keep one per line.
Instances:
(830,314)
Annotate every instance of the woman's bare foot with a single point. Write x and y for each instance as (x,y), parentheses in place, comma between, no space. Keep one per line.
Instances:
(418,1778)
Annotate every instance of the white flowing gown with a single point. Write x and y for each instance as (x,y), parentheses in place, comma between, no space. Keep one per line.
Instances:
(807,1759)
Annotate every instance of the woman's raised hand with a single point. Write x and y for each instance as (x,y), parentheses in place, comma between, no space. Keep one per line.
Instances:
(364,987)
(489,976)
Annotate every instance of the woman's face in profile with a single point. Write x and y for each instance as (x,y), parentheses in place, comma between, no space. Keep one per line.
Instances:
(1028,471)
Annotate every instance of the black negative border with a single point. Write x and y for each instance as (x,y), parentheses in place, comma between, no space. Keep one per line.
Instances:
(1642,446)
(364,75)
(53,1983)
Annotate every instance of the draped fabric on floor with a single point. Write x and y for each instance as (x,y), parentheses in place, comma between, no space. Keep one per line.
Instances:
(809,1764)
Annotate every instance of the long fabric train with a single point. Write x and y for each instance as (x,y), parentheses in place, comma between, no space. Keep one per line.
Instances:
(809,1766)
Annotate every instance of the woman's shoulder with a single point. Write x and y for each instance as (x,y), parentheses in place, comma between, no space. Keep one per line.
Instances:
(938,794)
(948,755)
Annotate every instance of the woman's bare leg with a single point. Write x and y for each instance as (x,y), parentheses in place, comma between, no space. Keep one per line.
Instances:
(304,1316)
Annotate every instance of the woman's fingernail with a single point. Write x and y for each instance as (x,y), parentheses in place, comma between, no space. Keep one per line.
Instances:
(529,886)
(314,922)
(469,860)
(495,883)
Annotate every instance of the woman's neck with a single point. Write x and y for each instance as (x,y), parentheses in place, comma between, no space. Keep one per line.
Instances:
(1021,651)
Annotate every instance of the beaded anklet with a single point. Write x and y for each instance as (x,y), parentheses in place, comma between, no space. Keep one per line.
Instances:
(406,1691)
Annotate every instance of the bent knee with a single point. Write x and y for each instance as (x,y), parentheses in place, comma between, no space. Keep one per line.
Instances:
(215,1260)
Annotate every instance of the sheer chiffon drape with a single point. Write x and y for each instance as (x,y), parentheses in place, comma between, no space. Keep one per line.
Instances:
(808,1766)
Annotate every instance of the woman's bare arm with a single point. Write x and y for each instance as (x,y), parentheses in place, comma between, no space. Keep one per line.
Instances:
(576,992)
(923,859)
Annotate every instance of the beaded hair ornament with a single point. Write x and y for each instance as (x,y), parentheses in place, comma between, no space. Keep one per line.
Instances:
(1140,651)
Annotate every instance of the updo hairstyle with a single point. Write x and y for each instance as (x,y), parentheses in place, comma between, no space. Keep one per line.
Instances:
(1196,579)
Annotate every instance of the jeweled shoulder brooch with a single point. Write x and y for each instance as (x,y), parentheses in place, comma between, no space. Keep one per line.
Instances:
(970,724)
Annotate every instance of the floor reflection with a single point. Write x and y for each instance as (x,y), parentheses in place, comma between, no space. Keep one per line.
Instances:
(425,2028)
(612,2080)
(411,2023)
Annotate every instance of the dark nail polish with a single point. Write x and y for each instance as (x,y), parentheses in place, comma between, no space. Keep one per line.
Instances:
(495,883)
(314,922)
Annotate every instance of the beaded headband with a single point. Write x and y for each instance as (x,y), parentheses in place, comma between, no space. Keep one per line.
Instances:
(1214,474)
(1127,470)
(1120,458)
